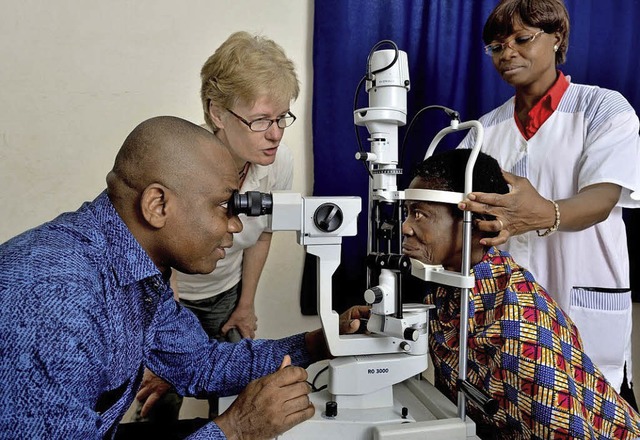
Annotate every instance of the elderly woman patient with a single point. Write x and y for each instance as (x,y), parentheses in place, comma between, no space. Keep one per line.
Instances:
(524,350)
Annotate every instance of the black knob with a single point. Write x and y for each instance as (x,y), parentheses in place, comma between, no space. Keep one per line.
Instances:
(485,402)
(405,412)
(373,295)
(411,334)
(328,217)
(331,408)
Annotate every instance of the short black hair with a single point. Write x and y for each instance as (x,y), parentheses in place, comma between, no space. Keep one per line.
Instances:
(445,171)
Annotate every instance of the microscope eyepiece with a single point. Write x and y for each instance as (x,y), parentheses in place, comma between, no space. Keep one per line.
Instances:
(251,203)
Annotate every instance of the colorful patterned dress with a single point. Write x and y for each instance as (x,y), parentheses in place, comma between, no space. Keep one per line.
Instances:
(526,353)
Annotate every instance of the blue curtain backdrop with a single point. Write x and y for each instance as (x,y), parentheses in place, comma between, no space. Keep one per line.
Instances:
(447,67)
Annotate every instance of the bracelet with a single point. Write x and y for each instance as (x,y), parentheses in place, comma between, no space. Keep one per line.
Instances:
(556,224)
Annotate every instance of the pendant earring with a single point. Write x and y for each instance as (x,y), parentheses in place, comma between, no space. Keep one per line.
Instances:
(555,48)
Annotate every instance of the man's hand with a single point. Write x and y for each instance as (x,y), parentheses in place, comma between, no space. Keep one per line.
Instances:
(349,323)
(350,319)
(269,406)
(521,210)
(151,390)
(244,319)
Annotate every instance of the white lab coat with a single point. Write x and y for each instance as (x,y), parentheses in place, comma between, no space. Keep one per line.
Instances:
(591,138)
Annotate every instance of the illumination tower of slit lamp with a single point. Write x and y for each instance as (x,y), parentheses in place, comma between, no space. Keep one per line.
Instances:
(367,366)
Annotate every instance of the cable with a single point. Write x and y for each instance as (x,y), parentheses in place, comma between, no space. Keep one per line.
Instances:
(388,66)
(313,383)
(359,140)
(454,115)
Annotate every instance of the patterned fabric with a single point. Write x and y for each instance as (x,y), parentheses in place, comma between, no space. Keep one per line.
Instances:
(527,353)
(82,310)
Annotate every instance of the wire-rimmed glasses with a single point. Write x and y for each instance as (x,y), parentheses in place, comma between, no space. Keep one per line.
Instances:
(263,124)
(520,41)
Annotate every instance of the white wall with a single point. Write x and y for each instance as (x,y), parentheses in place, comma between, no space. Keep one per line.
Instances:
(76,76)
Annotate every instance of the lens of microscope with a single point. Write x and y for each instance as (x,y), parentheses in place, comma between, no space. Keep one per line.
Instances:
(251,203)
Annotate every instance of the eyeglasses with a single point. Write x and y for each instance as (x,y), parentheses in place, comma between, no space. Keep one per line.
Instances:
(263,124)
(520,41)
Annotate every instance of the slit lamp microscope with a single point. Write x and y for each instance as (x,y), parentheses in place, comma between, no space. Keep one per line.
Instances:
(375,389)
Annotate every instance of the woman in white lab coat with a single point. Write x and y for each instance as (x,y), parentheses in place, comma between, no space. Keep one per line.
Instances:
(571,153)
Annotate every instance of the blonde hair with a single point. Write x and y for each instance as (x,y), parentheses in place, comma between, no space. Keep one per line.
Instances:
(244,68)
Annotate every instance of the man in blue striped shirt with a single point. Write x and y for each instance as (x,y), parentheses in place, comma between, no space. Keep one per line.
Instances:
(85,303)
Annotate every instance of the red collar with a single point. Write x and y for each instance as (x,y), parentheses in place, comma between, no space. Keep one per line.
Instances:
(544,108)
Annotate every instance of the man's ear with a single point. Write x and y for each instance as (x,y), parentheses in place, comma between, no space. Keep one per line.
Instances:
(153,205)
(215,113)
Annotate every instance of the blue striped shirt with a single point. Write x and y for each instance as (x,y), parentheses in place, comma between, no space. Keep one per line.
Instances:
(83,310)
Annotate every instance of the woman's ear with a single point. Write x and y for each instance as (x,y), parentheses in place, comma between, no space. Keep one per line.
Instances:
(153,205)
(215,113)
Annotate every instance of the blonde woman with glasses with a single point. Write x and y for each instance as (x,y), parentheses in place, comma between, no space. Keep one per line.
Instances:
(247,88)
